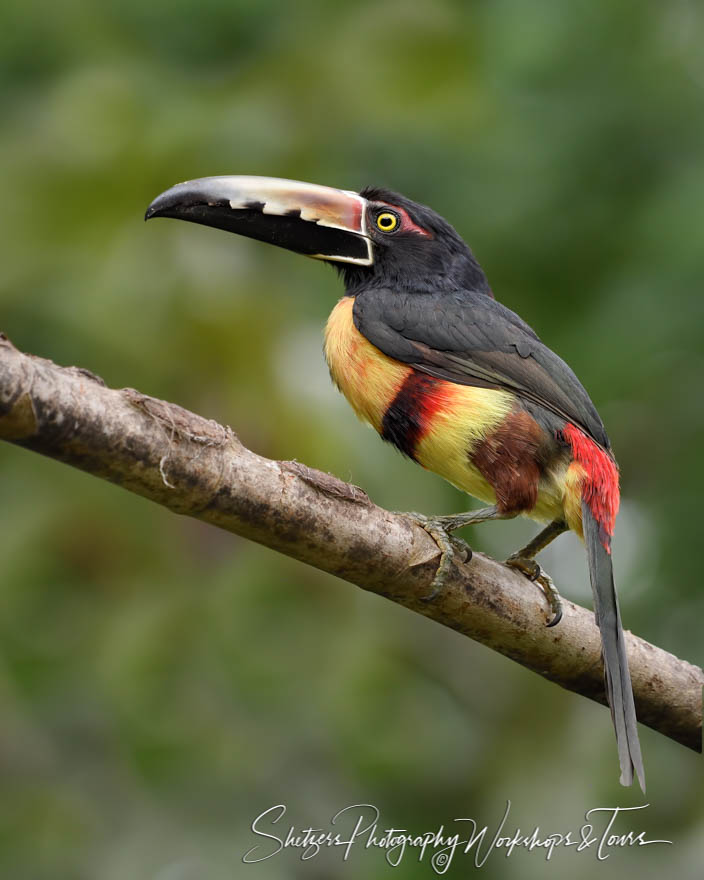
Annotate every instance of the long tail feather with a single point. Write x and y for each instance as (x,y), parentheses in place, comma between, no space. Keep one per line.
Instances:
(613,645)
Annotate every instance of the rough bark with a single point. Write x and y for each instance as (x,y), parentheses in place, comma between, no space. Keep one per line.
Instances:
(198,468)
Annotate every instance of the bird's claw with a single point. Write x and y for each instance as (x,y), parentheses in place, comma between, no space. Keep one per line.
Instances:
(533,571)
(450,548)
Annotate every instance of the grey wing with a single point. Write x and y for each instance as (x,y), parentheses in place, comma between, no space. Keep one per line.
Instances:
(471,339)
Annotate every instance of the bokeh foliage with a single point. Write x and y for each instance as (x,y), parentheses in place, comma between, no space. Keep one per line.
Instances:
(162,683)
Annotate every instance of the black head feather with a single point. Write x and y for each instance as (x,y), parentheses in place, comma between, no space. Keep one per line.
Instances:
(436,261)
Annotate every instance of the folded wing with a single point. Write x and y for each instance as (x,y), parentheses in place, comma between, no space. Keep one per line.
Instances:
(471,339)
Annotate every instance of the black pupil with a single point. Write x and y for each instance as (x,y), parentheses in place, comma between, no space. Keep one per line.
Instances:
(387,221)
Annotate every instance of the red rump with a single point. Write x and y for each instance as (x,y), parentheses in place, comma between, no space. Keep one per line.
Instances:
(600,488)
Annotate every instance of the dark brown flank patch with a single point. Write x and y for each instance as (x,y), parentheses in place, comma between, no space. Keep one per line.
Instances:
(508,459)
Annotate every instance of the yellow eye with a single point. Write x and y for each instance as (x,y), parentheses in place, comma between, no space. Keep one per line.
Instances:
(386,221)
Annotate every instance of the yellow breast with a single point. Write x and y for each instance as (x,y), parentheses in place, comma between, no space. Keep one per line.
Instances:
(366,376)
(457,417)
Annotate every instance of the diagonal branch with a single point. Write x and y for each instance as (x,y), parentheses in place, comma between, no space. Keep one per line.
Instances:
(199,468)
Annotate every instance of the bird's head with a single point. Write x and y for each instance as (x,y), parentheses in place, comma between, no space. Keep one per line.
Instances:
(375,238)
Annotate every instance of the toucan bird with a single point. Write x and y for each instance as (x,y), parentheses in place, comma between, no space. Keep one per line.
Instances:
(457,382)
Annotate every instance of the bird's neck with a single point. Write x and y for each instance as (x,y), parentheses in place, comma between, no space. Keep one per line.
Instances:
(462,272)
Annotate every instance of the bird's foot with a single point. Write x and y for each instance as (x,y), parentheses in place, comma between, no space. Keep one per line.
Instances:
(450,547)
(530,568)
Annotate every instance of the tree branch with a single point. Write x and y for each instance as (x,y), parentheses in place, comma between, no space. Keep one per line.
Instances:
(199,468)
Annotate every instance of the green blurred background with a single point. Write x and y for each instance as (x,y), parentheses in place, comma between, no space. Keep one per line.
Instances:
(161,683)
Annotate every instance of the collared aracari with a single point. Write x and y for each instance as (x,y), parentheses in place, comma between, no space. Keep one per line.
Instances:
(455,380)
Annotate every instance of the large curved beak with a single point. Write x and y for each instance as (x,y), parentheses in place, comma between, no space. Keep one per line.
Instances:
(318,221)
